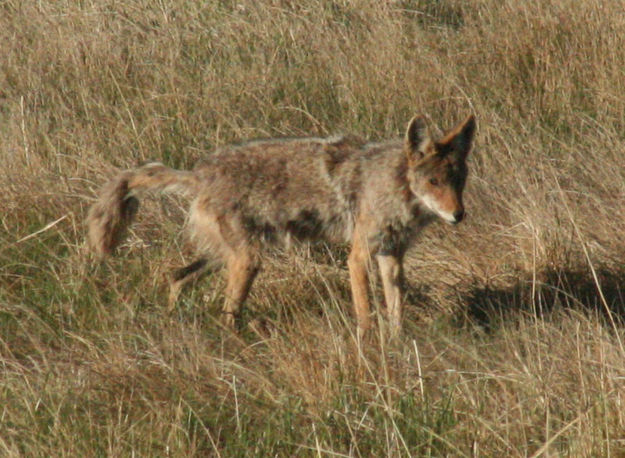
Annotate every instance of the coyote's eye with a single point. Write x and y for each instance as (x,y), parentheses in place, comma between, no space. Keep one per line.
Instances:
(434,181)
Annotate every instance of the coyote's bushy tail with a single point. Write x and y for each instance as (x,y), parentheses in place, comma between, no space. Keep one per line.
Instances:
(117,203)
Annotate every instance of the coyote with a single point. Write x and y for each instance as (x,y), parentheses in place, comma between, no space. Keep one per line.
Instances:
(377,196)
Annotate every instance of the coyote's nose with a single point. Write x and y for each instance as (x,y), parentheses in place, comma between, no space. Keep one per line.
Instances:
(458,215)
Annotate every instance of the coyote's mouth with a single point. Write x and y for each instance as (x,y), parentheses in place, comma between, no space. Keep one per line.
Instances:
(449,217)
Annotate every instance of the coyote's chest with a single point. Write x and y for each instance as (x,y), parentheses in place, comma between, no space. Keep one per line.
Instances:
(397,233)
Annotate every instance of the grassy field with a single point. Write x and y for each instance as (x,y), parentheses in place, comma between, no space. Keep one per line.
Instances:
(513,338)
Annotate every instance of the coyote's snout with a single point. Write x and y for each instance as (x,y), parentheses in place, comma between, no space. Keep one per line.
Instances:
(377,196)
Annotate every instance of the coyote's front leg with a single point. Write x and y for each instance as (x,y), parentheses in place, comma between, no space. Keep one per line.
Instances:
(357,263)
(392,278)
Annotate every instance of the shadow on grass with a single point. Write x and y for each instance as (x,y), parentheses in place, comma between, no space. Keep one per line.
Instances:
(552,290)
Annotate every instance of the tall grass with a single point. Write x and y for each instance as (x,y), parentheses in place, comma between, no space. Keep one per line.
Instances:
(513,337)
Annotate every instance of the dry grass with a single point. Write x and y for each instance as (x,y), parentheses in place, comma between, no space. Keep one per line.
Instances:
(513,342)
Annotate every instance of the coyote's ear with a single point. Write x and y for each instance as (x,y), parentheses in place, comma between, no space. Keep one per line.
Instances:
(459,139)
(417,138)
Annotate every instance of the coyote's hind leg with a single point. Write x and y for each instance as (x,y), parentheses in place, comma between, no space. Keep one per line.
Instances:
(184,276)
(242,266)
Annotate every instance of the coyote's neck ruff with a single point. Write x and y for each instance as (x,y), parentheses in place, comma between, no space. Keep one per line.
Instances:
(375,195)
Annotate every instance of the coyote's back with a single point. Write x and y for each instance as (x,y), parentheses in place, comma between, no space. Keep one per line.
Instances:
(271,189)
(375,195)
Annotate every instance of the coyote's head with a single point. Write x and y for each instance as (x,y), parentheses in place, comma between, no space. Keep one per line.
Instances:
(437,170)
